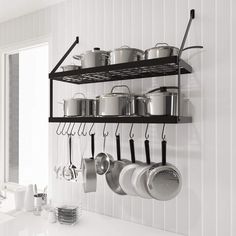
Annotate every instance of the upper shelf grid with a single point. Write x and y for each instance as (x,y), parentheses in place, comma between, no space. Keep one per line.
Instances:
(125,71)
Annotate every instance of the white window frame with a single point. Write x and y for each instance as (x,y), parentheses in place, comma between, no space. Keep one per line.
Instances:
(4,52)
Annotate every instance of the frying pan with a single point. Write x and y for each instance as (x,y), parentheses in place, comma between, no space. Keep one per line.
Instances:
(89,171)
(139,177)
(164,179)
(112,176)
(127,172)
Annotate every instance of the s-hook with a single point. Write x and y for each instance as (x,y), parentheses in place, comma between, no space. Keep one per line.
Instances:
(71,131)
(62,132)
(131,134)
(117,127)
(146,132)
(90,130)
(105,134)
(83,131)
(163,136)
(57,131)
(78,132)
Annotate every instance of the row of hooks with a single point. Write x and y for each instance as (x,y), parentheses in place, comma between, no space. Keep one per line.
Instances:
(81,130)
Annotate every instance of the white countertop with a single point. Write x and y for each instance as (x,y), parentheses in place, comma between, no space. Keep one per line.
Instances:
(90,224)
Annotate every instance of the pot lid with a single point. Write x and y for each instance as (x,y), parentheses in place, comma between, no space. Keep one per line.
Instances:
(125,48)
(163,91)
(162,46)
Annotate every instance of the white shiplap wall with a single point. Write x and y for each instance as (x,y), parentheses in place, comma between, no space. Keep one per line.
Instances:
(204,151)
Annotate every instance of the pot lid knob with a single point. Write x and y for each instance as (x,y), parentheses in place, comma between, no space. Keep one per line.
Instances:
(96,49)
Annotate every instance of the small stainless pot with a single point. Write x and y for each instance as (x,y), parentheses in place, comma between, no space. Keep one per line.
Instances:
(164,50)
(125,54)
(93,58)
(161,101)
(78,106)
(138,105)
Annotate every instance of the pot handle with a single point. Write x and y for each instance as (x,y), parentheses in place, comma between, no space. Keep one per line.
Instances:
(157,44)
(79,94)
(92,145)
(163,148)
(120,86)
(118,147)
(132,151)
(78,57)
(147,150)
(192,47)
(164,88)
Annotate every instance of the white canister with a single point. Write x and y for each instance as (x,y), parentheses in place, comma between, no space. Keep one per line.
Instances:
(19,197)
(29,198)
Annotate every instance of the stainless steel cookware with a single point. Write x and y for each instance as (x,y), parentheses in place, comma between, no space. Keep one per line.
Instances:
(79,106)
(120,103)
(164,179)
(125,54)
(93,58)
(70,67)
(112,176)
(162,101)
(89,171)
(164,50)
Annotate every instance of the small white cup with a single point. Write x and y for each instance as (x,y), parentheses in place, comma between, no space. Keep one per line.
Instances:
(52,217)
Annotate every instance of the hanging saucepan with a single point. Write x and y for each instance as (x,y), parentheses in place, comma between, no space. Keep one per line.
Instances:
(162,101)
(112,176)
(89,171)
(139,177)
(164,179)
(78,106)
(125,54)
(127,172)
(103,160)
(164,50)
(93,58)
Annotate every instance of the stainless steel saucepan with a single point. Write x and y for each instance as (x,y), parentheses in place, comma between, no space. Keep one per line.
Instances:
(112,176)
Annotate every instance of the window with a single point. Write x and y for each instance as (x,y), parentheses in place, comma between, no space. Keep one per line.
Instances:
(26,111)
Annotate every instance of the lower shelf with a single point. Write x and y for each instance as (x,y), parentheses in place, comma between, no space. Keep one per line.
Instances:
(130,119)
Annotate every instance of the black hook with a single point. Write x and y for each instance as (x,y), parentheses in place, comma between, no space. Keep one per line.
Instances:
(146,132)
(117,127)
(84,133)
(57,131)
(131,134)
(71,131)
(78,132)
(163,136)
(90,130)
(63,130)
(104,127)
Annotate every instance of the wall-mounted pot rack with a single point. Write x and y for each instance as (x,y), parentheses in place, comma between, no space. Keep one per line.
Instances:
(173,65)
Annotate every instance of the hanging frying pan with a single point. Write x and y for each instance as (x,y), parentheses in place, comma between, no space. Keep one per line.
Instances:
(89,171)
(164,179)
(112,176)
(127,172)
(139,177)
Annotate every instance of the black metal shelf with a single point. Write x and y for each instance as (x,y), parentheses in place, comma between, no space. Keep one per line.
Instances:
(130,119)
(124,71)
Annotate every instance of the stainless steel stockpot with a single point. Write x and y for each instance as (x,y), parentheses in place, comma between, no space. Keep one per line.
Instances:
(162,101)
(120,103)
(125,54)
(79,106)
(93,58)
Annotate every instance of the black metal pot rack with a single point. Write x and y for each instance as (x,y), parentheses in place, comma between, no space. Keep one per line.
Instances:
(173,65)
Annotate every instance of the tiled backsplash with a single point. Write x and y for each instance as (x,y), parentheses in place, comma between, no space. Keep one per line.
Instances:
(203,150)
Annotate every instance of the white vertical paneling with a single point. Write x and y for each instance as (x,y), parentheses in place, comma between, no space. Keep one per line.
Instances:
(203,151)
(223,92)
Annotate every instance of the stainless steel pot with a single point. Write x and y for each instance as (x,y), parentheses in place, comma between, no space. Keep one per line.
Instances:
(79,106)
(125,54)
(120,103)
(161,101)
(164,50)
(93,58)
